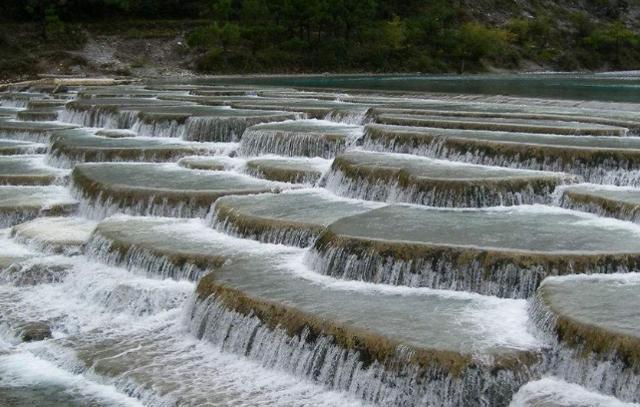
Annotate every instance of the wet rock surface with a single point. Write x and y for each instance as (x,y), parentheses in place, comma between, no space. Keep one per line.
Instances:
(33,331)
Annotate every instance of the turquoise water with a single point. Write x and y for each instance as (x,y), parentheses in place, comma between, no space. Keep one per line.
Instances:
(602,87)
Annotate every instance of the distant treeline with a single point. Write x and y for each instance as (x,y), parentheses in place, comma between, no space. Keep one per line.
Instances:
(365,35)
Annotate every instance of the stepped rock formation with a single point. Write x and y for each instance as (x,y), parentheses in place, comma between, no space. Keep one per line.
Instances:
(216,242)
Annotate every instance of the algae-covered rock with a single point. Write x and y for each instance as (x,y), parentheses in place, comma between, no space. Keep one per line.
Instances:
(29,170)
(77,146)
(36,132)
(310,138)
(38,115)
(593,325)
(158,189)
(22,203)
(199,123)
(293,170)
(406,347)
(34,331)
(407,178)
(605,200)
(294,218)
(499,124)
(13,147)
(55,234)
(490,251)
(612,160)
(168,247)
(212,163)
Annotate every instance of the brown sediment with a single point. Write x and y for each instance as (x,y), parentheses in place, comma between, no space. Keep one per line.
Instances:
(220,92)
(150,117)
(23,149)
(80,106)
(274,173)
(32,180)
(115,133)
(45,103)
(34,115)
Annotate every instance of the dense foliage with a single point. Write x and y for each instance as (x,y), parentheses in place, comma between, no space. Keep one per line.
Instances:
(363,35)
(345,35)
(410,35)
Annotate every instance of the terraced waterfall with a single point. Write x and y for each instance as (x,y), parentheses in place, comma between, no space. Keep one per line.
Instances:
(190,244)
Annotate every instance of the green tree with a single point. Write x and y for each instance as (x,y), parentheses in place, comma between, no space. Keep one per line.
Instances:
(476,41)
(615,43)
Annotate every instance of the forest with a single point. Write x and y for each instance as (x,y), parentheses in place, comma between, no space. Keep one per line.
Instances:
(256,36)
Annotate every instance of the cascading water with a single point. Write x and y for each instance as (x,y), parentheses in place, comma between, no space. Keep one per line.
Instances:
(348,117)
(607,167)
(437,195)
(108,324)
(319,359)
(33,136)
(92,117)
(15,103)
(109,318)
(609,374)
(290,236)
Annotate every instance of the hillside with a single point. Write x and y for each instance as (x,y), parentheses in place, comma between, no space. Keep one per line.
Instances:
(169,37)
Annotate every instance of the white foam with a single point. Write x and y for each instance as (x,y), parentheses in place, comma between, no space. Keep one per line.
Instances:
(197,231)
(556,392)
(87,307)
(325,194)
(25,370)
(620,278)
